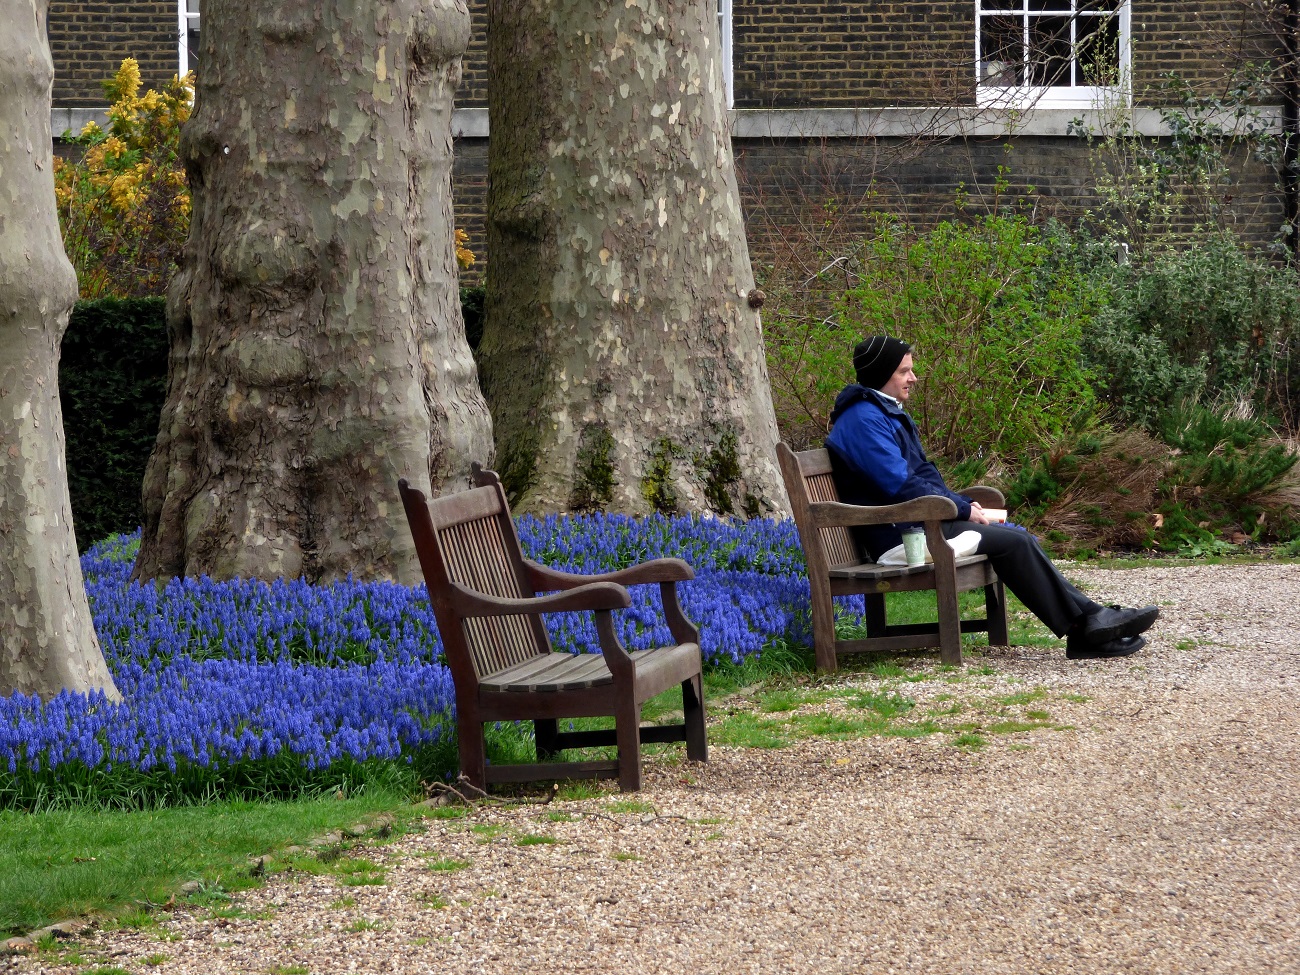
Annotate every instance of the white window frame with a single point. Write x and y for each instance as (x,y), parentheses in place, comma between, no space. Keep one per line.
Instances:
(186,22)
(724,36)
(1051,96)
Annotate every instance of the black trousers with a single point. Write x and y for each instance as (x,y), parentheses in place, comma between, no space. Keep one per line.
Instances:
(1027,571)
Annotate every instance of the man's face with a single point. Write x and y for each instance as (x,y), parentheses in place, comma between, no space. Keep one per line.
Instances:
(901,382)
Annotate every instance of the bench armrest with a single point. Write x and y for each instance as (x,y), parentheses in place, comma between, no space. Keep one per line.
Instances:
(833,514)
(597,596)
(544,579)
(989,497)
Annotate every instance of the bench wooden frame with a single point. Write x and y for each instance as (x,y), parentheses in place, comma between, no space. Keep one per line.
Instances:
(484,597)
(835,567)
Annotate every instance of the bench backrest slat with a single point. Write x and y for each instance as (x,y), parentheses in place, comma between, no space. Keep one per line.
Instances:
(478,558)
(469,539)
(837,542)
(808,480)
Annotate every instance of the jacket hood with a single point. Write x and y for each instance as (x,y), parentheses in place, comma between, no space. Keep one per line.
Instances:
(853,392)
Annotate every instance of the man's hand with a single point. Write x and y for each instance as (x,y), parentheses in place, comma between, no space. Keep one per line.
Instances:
(977,514)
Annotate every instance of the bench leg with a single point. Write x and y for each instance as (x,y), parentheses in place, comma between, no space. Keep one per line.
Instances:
(545,732)
(876,621)
(949,625)
(697,744)
(995,605)
(473,755)
(627,721)
(823,619)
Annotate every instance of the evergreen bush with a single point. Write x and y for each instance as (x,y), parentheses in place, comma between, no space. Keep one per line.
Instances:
(1210,321)
(112,385)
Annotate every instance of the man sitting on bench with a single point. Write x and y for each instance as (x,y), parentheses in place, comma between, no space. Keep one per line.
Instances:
(877,459)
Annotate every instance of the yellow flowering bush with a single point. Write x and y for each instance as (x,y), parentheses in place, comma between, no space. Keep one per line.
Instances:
(464,256)
(124,207)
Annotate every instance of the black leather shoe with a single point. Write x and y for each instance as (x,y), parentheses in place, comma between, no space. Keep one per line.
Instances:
(1112,622)
(1077,648)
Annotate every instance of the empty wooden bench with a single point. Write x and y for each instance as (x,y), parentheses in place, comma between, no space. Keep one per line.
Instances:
(484,597)
(837,568)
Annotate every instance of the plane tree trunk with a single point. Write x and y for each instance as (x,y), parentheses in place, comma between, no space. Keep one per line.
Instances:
(622,355)
(318,352)
(47,640)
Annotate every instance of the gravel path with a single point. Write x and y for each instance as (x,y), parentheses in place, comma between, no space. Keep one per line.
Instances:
(1151,828)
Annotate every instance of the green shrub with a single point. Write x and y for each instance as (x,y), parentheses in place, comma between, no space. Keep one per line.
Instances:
(112,384)
(1210,321)
(996,325)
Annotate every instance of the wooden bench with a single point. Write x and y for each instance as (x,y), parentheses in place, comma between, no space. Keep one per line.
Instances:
(836,568)
(484,597)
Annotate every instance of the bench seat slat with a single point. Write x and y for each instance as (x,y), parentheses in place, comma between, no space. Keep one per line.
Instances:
(556,670)
(569,672)
(872,570)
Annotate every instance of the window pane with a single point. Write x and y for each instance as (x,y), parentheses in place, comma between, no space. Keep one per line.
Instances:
(1056,6)
(1049,51)
(1098,47)
(1002,51)
(1101,6)
(192,48)
(192,7)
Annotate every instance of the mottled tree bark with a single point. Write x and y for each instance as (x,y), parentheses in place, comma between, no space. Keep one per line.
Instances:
(621,357)
(317,347)
(47,642)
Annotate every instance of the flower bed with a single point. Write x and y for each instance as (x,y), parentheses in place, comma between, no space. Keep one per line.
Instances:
(275,687)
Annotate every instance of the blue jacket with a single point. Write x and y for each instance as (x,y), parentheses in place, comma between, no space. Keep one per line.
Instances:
(877,458)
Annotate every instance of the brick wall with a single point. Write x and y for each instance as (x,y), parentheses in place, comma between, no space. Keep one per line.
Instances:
(469,199)
(473,83)
(827,54)
(802,53)
(800,195)
(1197,41)
(869,53)
(90,40)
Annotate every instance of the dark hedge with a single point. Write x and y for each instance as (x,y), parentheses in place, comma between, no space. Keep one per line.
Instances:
(112,383)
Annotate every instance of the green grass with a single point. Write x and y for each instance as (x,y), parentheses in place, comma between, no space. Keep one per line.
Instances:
(359,872)
(535,839)
(970,740)
(748,730)
(447,865)
(1023,697)
(447,812)
(630,806)
(67,863)
(887,705)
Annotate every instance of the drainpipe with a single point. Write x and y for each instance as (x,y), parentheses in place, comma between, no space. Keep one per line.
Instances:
(1291,126)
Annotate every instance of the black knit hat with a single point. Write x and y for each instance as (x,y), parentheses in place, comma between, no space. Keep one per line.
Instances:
(876,358)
